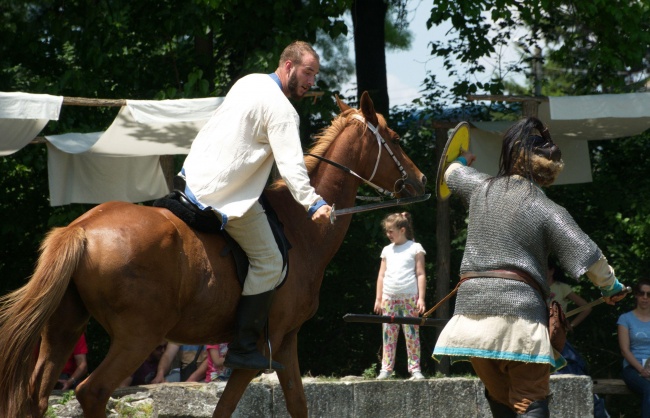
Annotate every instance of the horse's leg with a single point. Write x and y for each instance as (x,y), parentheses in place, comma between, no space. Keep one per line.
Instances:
(125,355)
(290,379)
(235,388)
(58,339)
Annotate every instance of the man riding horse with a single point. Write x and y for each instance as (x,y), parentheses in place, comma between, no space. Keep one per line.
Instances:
(229,165)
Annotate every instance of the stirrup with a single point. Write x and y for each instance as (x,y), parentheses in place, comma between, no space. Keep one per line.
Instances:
(270,369)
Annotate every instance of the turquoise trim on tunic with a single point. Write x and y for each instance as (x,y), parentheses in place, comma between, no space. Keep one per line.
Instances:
(464,354)
(497,355)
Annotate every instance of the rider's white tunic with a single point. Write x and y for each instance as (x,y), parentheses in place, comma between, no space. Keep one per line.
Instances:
(232,156)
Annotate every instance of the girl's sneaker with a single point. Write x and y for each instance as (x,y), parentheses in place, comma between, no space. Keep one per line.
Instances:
(416,376)
(384,375)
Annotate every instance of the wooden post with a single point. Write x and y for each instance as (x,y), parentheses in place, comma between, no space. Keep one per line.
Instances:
(443,253)
(167,165)
(530,107)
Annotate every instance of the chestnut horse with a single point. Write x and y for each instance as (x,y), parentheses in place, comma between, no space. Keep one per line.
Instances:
(146,276)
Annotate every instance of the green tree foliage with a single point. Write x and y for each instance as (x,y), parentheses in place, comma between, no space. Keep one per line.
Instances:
(601,44)
(152,49)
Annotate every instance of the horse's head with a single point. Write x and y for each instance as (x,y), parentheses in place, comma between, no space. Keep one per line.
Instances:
(382,162)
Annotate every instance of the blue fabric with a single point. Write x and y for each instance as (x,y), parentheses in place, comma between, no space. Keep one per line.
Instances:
(615,288)
(639,385)
(275,78)
(462,160)
(193,199)
(575,363)
(639,336)
(465,353)
(578,366)
(313,208)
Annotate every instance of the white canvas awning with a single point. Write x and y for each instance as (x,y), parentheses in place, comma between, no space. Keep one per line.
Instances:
(122,162)
(23,116)
(572,121)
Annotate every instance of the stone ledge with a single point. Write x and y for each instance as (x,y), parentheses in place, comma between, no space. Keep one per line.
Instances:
(350,397)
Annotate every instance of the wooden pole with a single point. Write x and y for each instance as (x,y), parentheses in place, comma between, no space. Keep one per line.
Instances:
(167,165)
(530,108)
(443,251)
(503,98)
(83,101)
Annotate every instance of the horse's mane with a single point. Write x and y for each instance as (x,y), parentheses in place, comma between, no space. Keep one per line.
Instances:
(324,139)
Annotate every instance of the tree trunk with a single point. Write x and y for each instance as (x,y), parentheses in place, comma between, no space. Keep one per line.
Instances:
(368,17)
(204,56)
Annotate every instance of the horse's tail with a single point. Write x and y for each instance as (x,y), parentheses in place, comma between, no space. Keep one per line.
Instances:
(24,313)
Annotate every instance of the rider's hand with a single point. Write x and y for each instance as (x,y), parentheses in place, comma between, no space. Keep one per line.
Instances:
(322,215)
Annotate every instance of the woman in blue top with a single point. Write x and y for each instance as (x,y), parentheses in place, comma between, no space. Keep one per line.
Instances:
(634,341)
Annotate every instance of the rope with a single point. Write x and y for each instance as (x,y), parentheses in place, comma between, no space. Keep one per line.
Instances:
(443,300)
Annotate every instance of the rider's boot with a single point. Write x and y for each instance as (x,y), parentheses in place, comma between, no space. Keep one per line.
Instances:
(252,315)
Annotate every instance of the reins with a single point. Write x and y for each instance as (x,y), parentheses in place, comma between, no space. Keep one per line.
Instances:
(381,143)
(349,171)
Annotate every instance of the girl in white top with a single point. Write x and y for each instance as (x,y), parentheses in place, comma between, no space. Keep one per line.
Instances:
(401,286)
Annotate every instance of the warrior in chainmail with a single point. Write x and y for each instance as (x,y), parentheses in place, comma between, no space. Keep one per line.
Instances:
(501,318)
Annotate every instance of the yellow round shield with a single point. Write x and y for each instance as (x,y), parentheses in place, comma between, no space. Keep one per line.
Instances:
(456,144)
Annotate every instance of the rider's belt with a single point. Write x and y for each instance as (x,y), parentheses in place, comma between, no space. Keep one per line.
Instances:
(185,201)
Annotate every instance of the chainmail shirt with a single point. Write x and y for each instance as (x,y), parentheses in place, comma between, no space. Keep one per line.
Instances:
(514,226)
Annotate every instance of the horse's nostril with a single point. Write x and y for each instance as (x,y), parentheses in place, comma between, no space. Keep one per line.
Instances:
(424,180)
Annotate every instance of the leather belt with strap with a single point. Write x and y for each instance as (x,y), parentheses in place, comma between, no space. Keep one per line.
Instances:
(506,274)
(501,274)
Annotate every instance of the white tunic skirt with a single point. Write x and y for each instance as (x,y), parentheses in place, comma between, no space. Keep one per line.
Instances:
(496,337)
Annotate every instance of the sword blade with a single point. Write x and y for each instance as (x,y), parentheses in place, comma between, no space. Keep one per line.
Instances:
(594,303)
(379,205)
(381,319)
(584,307)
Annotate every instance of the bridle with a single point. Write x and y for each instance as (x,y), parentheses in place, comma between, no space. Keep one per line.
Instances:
(381,143)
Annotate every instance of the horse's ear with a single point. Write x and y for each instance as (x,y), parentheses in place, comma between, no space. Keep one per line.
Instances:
(341,105)
(368,109)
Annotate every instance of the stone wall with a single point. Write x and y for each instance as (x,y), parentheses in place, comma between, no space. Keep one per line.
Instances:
(349,397)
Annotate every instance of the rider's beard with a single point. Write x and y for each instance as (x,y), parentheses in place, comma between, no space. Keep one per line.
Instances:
(294,88)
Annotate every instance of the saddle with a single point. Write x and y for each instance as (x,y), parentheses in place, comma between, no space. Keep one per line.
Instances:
(205,220)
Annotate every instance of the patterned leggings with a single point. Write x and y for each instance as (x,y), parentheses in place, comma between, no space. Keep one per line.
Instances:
(401,306)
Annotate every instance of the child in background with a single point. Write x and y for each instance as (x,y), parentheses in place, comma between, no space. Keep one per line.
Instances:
(216,371)
(75,368)
(563,293)
(401,285)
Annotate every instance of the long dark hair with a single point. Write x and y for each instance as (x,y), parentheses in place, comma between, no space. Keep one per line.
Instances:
(639,283)
(529,151)
(558,274)
(517,144)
